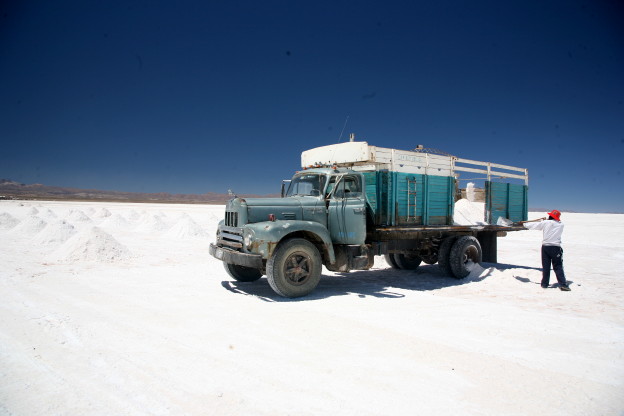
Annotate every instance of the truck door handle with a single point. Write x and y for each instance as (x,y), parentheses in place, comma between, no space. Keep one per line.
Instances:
(358,210)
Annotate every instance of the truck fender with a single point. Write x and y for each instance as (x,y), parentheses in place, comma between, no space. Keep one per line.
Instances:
(268,234)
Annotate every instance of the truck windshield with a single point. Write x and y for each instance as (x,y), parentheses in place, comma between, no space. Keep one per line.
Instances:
(308,184)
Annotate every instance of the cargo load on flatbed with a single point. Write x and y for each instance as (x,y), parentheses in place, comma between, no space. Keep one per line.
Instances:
(418,188)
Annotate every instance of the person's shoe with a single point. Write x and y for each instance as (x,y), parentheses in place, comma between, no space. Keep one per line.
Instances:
(544,287)
(565,288)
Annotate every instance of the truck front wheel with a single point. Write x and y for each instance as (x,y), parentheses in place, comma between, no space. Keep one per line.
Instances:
(465,254)
(242,273)
(294,269)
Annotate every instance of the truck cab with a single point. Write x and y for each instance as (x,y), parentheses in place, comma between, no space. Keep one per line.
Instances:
(324,207)
(333,198)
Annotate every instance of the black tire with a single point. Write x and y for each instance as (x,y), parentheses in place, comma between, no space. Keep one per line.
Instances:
(430,259)
(444,253)
(242,273)
(294,269)
(465,254)
(407,261)
(391,261)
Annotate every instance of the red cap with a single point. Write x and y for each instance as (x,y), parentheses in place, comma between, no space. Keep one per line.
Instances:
(555,214)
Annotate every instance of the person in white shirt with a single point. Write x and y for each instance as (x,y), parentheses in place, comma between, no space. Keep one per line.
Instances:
(552,253)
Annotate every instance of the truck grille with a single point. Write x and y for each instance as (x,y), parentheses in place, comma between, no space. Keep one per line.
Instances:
(231,237)
(231,219)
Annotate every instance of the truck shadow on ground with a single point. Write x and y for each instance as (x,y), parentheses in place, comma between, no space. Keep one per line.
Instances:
(379,283)
(503,266)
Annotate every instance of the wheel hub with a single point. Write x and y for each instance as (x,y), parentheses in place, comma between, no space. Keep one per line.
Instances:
(470,255)
(297,268)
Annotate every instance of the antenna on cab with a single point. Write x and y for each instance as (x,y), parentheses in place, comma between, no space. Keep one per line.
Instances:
(343,127)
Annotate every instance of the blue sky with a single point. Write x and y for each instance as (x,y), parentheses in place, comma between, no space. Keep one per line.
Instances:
(205,96)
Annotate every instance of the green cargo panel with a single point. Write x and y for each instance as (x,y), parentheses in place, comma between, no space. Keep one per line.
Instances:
(409,201)
(370,179)
(440,200)
(378,194)
(386,188)
(505,200)
(396,198)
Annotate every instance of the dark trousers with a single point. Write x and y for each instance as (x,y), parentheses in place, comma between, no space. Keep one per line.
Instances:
(552,255)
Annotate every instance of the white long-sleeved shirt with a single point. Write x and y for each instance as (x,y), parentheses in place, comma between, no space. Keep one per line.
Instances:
(552,231)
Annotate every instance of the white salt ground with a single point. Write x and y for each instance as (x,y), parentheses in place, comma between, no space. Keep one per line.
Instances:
(102,213)
(78,216)
(186,228)
(47,214)
(29,226)
(91,244)
(7,221)
(115,221)
(132,215)
(55,233)
(181,216)
(151,223)
(168,332)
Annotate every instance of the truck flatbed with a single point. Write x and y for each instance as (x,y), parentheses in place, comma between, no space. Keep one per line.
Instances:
(452,228)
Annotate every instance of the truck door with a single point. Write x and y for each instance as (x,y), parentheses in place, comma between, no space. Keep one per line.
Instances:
(347,210)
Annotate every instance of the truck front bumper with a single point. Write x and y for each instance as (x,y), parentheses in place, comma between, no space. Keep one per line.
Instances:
(230,256)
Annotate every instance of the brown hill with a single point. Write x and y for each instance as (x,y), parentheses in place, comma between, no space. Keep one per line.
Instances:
(14,190)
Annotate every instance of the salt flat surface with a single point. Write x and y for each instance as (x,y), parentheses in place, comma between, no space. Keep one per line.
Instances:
(125,313)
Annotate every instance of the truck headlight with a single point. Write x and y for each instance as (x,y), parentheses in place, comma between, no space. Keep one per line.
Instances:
(248,238)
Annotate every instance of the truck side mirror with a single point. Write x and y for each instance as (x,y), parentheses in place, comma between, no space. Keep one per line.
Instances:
(284,188)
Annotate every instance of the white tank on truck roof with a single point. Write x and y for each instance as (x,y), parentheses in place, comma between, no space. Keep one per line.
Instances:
(362,156)
(337,154)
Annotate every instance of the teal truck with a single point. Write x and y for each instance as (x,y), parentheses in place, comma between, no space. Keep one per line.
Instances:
(353,201)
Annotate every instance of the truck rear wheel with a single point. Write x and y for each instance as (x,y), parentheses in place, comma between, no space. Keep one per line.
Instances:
(294,269)
(391,261)
(242,273)
(465,254)
(431,258)
(407,261)
(444,254)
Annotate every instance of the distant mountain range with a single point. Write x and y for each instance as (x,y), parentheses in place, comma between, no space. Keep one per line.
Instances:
(14,190)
